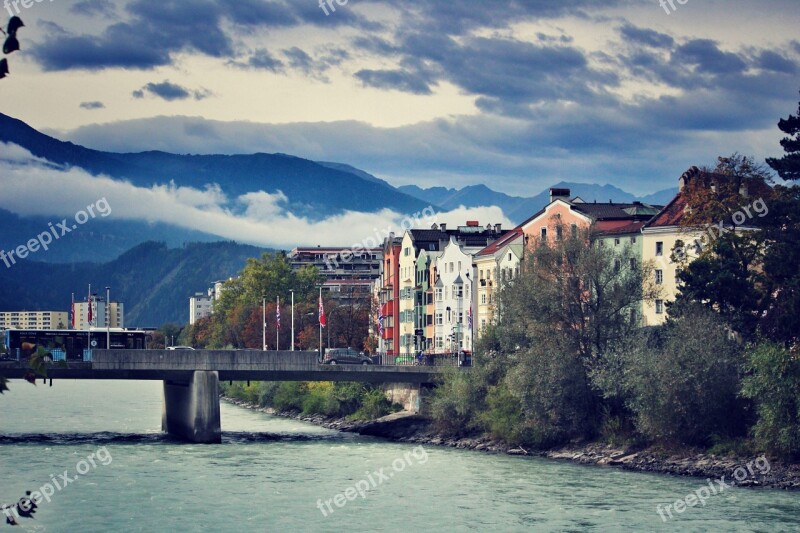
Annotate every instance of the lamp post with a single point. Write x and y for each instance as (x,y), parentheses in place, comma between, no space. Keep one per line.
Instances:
(292,291)
(264,323)
(108,318)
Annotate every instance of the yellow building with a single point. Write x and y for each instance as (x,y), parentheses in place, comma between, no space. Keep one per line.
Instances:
(40,320)
(495,263)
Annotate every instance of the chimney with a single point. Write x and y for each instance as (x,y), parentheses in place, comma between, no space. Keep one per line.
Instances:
(498,228)
(683,181)
(443,226)
(559,194)
(473,223)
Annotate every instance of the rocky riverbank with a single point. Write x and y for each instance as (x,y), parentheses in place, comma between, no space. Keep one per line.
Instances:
(412,428)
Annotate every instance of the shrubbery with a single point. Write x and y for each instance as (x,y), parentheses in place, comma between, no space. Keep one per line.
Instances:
(324,398)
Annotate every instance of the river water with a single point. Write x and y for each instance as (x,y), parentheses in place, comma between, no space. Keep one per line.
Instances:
(272,474)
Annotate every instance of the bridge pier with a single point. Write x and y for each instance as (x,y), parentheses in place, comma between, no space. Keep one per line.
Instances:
(191,410)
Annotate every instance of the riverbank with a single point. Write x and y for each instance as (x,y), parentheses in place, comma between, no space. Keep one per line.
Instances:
(412,428)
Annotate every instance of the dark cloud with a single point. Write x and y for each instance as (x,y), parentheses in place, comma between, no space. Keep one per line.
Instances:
(646,36)
(706,56)
(158,29)
(769,60)
(261,59)
(398,80)
(94,8)
(170,91)
(92,105)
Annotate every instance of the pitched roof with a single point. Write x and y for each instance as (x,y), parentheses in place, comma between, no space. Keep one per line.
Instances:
(618,227)
(670,215)
(500,243)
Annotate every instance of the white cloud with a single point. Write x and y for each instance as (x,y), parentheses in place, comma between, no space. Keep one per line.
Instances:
(262,222)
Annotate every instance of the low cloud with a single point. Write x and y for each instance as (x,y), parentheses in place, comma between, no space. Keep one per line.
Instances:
(170,91)
(92,105)
(256,218)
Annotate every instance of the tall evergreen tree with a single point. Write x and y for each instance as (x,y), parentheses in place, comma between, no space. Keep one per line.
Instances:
(788,167)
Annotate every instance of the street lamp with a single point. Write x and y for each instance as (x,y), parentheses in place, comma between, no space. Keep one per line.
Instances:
(108,318)
(292,291)
(264,323)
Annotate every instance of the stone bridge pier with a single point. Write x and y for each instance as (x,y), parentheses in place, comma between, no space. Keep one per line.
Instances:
(191,408)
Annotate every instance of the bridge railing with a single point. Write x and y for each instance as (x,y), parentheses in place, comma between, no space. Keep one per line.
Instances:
(462,359)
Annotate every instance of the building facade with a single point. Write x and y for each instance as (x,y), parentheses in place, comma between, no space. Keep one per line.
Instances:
(201,305)
(116,311)
(498,262)
(39,320)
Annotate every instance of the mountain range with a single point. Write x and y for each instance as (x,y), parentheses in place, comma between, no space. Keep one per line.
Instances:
(152,280)
(518,208)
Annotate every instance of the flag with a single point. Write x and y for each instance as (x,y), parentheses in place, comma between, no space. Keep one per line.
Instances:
(278,315)
(380,324)
(72,312)
(90,310)
(469,317)
(322,320)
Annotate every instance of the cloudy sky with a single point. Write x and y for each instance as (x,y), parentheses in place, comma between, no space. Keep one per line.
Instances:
(515,94)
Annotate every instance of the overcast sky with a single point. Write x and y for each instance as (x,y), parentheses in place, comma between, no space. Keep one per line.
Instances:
(514,94)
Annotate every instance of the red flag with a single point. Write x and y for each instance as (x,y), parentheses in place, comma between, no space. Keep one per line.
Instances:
(322,320)
(72,312)
(90,309)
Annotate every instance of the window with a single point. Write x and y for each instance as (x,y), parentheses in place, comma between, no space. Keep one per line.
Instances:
(633,239)
(458,291)
(483,298)
(449,316)
(460,318)
(559,232)
(659,277)
(480,276)
(659,307)
(438,295)
(616,242)
(544,234)
(574,229)
(633,263)
(509,256)
(617,265)
(439,319)
(459,266)
(483,323)
(451,267)
(659,248)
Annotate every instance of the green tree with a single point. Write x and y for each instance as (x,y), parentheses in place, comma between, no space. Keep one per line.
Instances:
(680,380)
(788,167)
(773,383)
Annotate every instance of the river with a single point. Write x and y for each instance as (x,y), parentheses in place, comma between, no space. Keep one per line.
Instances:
(273,474)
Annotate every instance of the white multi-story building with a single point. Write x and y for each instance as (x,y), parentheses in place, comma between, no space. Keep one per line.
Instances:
(116,311)
(453,290)
(201,306)
(41,320)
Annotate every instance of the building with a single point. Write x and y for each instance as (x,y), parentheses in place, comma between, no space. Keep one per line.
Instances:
(201,305)
(453,290)
(498,262)
(116,311)
(339,263)
(664,231)
(389,296)
(39,320)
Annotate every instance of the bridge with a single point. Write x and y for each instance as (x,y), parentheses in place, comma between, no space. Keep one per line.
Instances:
(191,378)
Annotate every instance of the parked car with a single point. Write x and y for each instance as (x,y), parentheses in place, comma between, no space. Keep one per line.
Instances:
(180,348)
(339,356)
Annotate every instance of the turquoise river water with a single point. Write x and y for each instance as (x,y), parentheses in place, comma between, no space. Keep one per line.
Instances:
(272,474)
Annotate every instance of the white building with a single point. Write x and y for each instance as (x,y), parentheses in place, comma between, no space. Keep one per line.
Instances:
(201,306)
(116,311)
(452,298)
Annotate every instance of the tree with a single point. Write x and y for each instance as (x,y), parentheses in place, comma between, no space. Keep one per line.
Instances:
(680,380)
(788,167)
(773,383)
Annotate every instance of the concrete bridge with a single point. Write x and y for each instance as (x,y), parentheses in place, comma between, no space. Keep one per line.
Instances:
(191,378)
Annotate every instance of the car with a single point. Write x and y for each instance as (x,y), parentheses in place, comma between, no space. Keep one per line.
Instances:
(180,348)
(339,356)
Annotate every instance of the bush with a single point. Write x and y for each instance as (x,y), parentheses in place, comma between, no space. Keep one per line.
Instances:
(454,403)
(503,418)
(681,381)
(773,382)
(289,396)
(373,405)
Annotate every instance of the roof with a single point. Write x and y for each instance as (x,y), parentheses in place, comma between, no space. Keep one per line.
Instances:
(670,215)
(319,249)
(618,227)
(435,239)
(611,211)
(500,243)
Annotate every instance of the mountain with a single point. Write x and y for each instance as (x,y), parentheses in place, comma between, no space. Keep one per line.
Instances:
(313,190)
(519,208)
(102,240)
(152,280)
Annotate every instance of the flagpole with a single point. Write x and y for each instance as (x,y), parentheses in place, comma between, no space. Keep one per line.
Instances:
(278,325)
(264,324)
(89,320)
(319,319)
